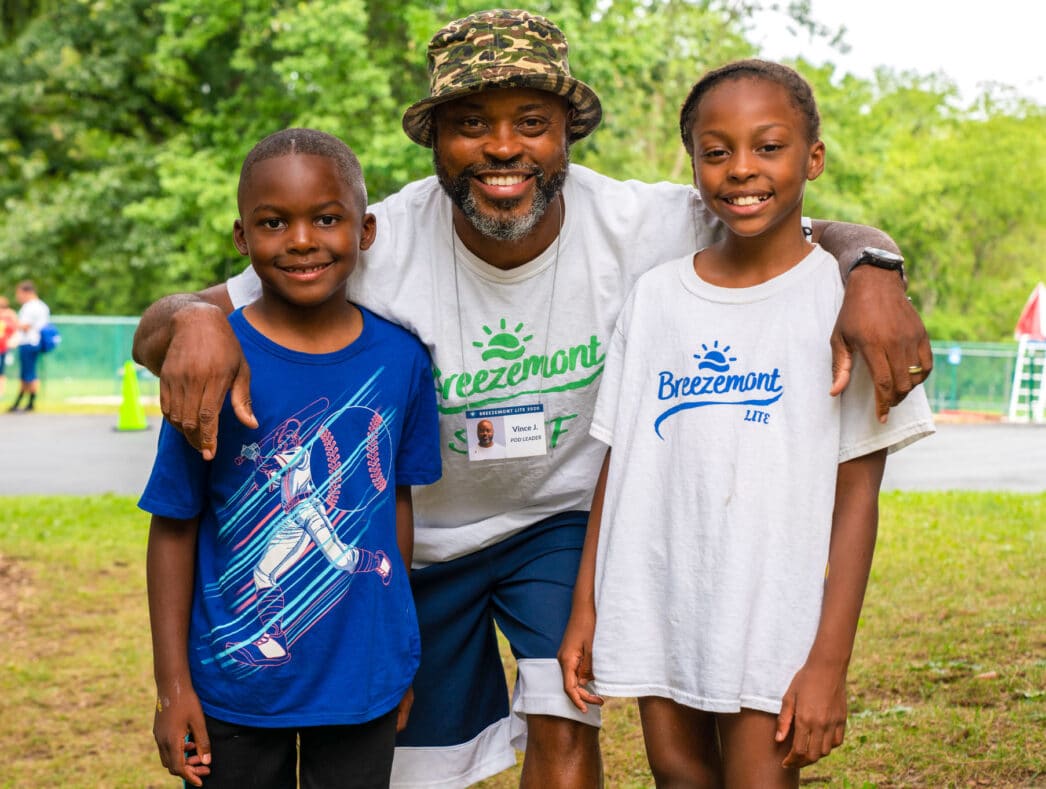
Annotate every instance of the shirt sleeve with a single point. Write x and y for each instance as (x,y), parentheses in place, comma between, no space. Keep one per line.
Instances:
(605,414)
(862,433)
(244,288)
(177,484)
(418,458)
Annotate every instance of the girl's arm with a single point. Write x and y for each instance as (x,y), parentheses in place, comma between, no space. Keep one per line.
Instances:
(170,570)
(575,652)
(405,541)
(814,705)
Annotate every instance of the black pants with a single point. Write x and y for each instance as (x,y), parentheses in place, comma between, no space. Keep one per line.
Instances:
(248,757)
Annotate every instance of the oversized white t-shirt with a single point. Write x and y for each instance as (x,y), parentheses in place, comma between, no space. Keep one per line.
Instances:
(718,511)
(534,335)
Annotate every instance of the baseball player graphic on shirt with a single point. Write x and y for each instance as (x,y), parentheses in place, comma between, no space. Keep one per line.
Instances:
(303,523)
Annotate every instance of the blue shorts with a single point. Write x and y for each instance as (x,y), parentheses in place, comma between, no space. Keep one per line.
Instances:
(460,728)
(27,355)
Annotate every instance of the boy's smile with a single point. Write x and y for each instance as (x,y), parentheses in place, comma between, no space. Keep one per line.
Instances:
(303,228)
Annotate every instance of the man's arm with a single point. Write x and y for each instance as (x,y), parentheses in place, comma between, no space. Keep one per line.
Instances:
(876,318)
(185,339)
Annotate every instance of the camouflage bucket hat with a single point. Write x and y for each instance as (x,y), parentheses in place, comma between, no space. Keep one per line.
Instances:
(501,49)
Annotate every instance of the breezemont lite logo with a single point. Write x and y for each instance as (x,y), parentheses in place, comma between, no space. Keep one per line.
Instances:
(516,373)
(714,384)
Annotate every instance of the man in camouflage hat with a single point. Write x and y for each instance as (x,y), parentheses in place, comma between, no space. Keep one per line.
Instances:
(511,265)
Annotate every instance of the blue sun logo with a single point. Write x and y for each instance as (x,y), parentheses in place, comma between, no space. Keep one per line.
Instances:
(503,344)
(714,358)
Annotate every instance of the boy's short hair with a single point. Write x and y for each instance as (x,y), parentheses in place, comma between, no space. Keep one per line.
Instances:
(799,91)
(26,285)
(312,143)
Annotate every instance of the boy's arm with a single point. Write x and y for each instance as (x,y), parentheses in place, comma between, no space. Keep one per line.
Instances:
(405,525)
(876,319)
(170,569)
(815,703)
(185,340)
(405,541)
(575,651)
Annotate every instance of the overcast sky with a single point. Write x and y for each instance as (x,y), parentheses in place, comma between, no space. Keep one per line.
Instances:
(971,41)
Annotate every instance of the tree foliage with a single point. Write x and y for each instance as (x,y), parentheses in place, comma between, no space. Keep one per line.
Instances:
(123,122)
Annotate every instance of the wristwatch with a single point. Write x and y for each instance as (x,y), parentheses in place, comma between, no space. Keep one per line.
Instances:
(879,258)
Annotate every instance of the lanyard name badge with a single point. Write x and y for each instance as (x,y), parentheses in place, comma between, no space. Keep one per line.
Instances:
(507,432)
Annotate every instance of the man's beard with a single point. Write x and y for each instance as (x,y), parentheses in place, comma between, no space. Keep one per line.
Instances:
(514,228)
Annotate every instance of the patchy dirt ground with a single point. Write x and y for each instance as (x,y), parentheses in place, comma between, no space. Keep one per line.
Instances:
(16,587)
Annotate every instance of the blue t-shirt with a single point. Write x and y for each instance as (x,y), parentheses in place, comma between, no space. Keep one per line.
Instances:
(302,610)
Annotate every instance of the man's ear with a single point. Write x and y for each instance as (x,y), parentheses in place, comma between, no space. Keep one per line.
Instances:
(239,238)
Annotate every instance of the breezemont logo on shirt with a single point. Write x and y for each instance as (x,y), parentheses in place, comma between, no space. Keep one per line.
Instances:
(513,372)
(714,384)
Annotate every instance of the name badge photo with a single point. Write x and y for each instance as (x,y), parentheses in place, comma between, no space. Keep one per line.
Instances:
(505,433)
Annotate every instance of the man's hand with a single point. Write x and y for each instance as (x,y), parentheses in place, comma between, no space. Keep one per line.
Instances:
(204,361)
(878,321)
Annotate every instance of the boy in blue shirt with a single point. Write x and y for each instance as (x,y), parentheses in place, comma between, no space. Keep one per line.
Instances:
(282,619)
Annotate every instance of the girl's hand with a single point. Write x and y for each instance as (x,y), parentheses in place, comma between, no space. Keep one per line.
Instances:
(814,707)
(181,736)
(575,659)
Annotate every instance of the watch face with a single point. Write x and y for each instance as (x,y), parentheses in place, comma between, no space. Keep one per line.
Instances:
(881,257)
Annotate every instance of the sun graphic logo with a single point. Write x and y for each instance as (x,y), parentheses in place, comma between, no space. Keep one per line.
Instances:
(714,358)
(504,343)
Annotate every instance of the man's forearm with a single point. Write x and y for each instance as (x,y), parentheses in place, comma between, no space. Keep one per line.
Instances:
(846,241)
(153,335)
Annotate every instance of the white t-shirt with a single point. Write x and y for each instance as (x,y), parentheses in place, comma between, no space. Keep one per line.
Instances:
(719,499)
(35,313)
(536,334)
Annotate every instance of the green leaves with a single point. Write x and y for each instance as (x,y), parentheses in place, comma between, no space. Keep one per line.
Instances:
(123,125)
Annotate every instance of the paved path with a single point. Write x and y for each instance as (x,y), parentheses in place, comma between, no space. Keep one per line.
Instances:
(65,454)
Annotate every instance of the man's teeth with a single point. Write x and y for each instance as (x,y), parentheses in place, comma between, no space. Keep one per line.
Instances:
(747,200)
(503,180)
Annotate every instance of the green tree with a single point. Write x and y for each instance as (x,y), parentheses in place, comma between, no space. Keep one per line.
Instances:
(123,122)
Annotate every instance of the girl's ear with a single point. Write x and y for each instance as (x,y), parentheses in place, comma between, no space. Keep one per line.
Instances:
(816,164)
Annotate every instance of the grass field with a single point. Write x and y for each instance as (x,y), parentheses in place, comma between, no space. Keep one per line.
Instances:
(947,689)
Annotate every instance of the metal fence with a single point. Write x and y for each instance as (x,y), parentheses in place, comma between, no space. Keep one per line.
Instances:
(89,364)
(972,376)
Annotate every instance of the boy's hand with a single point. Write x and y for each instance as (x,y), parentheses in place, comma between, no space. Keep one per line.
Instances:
(575,660)
(877,320)
(814,707)
(204,361)
(403,710)
(175,718)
